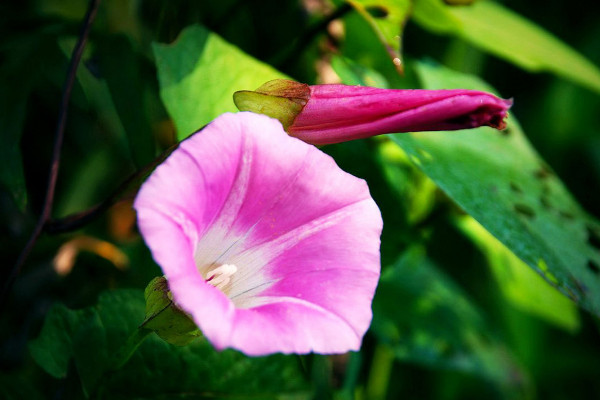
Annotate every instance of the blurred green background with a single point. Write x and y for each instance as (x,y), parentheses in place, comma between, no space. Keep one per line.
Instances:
(473,220)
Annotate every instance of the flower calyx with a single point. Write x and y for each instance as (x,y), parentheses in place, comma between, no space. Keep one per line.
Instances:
(281,99)
(163,316)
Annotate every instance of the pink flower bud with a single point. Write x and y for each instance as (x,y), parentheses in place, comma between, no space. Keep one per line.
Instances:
(324,114)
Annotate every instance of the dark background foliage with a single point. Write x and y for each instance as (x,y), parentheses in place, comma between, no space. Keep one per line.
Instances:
(487,336)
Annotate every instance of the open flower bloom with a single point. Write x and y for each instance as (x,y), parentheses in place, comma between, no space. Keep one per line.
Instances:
(265,242)
(324,114)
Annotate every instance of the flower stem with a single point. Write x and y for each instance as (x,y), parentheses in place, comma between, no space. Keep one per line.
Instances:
(56,150)
(381,369)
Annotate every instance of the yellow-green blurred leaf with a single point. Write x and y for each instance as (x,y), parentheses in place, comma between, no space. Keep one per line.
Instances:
(508,35)
(520,285)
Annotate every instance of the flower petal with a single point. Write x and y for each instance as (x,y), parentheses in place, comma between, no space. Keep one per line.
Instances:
(337,113)
(303,234)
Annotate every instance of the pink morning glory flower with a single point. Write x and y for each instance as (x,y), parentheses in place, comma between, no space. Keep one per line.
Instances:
(265,242)
(325,114)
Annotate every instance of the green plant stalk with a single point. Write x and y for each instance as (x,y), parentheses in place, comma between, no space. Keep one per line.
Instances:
(379,376)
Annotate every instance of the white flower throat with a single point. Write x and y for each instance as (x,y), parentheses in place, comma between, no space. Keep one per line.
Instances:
(220,276)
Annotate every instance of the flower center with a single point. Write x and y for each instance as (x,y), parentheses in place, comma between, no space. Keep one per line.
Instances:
(220,276)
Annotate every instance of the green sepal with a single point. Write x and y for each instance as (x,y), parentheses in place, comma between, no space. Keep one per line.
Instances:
(163,316)
(281,99)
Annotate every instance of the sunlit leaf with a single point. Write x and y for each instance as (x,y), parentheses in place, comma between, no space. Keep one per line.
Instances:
(427,319)
(499,180)
(198,74)
(508,35)
(520,285)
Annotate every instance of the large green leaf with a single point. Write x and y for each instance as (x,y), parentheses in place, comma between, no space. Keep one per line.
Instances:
(520,285)
(427,319)
(498,178)
(506,34)
(92,337)
(198,74)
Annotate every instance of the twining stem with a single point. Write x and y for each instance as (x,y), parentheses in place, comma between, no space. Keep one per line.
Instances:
(58,141)
(75,221)
(78,220)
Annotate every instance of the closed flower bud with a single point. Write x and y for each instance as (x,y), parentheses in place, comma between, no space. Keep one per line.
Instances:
(324,114)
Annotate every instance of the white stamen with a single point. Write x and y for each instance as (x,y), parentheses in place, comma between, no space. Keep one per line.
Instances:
(220,276)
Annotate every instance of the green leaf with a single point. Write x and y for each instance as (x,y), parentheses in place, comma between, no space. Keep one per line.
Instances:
(416,191)
(13,102)
(499,180)
(53,348)
(121,71)
(19,75)
(20,385)
(520,285)
(90,336)
(198,74)
(94,337)
(352,73)
(160,368)
(387,19)
(426,319)
(506,34)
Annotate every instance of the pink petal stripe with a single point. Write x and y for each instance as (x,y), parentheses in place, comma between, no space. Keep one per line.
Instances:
(302,233)
(337,113)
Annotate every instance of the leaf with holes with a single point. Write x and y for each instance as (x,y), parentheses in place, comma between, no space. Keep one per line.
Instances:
(499,179)
(387,19)
(502,32)
(520,285)
(198,74)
